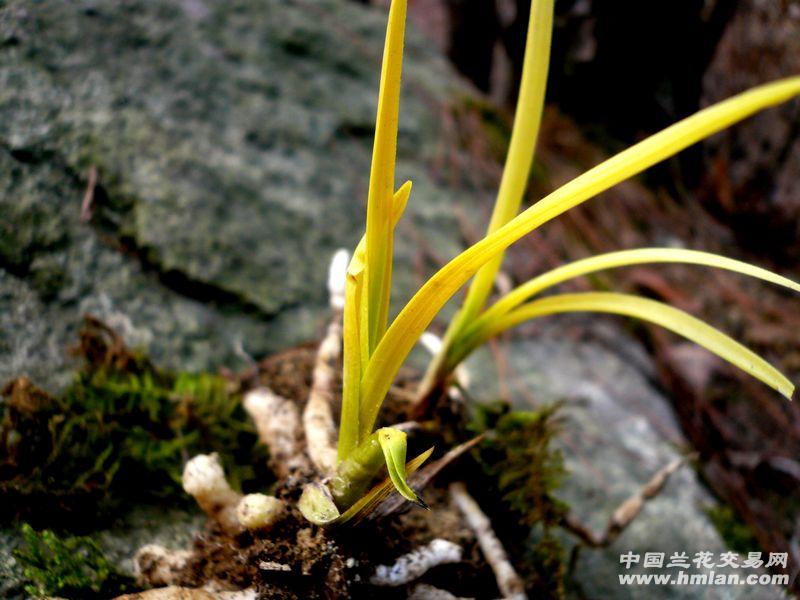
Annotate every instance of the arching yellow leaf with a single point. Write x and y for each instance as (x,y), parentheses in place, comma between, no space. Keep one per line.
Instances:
(623,258)
(648,310)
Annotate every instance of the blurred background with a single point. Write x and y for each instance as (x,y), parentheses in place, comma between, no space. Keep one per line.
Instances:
(182,170)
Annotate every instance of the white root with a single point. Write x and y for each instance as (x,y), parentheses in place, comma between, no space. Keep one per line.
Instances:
(416,563)
(183,593)
(204,479)
(503,282)
(318,415)
(337,276)
(277,422)
(509,583)
(269,565)
(155,565)
(318,420)
(258,512)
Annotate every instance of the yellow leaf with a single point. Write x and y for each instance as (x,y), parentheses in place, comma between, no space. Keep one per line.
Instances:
(429,300)
(351,363)
(521,148)
(648,310)
(622,258)
(381,180)
(356,353)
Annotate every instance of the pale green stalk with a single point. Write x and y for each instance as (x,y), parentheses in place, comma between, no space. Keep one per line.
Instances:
(354,473)
(355,355)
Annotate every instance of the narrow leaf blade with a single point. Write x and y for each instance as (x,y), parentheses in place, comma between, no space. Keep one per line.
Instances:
(522,146)
(356,351)
(381,181)
(624,258)
(645,309)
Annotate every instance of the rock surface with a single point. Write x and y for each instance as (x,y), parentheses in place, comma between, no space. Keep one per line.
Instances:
(231,142)
(619,432)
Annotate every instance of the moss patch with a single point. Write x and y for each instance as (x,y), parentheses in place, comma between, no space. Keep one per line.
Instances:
(72,567)
(120,432)
(527,470)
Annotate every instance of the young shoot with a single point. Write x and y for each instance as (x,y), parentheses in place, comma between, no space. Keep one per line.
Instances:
(374,349)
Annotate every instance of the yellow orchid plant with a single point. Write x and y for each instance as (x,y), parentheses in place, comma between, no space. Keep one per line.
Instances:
(374,349)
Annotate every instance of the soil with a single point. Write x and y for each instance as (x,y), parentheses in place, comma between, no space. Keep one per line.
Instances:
(338,564)
(299,560)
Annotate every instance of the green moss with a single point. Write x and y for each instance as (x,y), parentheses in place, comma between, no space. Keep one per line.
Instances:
(121,432)
(519,456)
(737,535)
(73,567)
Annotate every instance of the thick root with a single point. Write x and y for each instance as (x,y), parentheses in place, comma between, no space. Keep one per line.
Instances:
(277,421)
(318,422)
(415,564)
(204,479)
(258,512)
(508,581)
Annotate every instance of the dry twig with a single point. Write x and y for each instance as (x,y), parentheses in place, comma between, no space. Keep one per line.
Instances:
(88,196)
(625,512)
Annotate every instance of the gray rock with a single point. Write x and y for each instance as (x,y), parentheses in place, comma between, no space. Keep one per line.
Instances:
(619,432)
(232,142)
(169,527)
(11,579)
